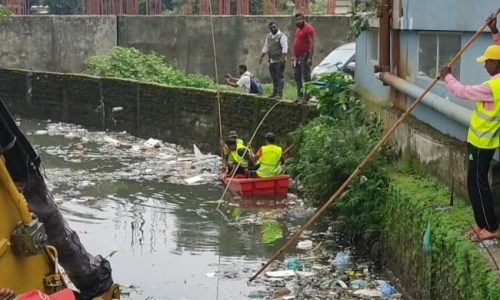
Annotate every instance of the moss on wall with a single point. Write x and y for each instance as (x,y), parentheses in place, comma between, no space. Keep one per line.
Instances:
(454,268)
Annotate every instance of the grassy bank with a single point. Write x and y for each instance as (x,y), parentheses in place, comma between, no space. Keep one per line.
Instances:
(392,206)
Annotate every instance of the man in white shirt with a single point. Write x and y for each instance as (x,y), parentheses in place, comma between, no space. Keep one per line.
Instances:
(276,48)
(243,82)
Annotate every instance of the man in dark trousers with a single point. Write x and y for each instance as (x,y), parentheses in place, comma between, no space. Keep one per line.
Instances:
(483,137)
(276,48)
(303,49)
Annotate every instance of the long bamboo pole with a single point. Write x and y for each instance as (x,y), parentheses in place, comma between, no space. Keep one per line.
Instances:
(370,155)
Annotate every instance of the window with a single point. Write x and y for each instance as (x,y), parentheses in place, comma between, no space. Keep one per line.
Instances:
(372,46)
(435,50)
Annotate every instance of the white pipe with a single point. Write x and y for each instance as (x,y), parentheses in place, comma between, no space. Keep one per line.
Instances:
(444,106)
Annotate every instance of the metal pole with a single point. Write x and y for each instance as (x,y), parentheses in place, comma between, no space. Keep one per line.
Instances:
(370,155)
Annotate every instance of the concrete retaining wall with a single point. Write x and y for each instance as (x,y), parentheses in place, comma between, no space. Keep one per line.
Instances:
(187,40)
(63,43)
(178,115)
(55,43)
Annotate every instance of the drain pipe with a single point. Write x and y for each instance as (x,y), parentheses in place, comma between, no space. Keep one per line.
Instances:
(446,107)
(384,14)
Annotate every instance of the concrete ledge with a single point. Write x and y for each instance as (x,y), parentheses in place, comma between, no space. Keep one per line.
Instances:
(180,115)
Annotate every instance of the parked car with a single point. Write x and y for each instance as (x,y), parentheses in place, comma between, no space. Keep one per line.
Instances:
(341,59)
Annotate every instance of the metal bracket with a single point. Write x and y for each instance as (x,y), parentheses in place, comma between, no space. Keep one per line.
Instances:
(29,239)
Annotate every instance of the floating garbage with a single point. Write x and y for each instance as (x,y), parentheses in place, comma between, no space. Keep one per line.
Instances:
(368,293)
(359,284)
(152,143)
(284,273)
(342,261)
(294,264)
(194,179)
(305,245)
(387,289)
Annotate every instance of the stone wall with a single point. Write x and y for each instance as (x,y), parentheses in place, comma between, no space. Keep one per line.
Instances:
(183,116)
(187,40)
(63,43)
(55,43)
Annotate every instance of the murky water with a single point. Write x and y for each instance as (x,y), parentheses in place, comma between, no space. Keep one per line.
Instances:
(153,206)
(119,195)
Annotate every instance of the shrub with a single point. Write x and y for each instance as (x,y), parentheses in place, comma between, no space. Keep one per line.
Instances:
(330,148)
(131,63)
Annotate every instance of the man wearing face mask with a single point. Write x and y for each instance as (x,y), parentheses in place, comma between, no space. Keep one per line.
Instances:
(303,49)
(276,48)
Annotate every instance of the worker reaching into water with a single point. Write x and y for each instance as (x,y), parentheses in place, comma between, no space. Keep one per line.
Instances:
(269,157)
(238,154)
(483,136)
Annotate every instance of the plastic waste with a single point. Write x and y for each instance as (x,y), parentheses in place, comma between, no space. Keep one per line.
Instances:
(426,240)
(152,143)
(369,293)
(305,245)
(387,289)
(342,261)
(359,284)
(294,264)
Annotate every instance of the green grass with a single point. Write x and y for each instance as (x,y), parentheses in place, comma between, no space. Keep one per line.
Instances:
(289,91)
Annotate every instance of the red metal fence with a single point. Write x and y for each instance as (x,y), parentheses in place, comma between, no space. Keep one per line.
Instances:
(18,7)
(242,7)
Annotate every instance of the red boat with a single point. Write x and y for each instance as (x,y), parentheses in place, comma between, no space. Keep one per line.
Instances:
(246,187)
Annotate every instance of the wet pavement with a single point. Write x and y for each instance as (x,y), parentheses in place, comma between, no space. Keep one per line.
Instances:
(151,206)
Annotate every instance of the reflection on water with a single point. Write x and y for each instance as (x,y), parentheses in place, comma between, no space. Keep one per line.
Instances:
(119,196)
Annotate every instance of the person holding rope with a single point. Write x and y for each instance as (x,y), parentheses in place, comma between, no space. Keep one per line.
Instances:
(482,138)
(237,159)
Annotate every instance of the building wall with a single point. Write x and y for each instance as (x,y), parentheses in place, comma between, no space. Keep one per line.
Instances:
(427,136)
(184,116)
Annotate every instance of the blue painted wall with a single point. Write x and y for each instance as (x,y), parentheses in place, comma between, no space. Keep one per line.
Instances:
(462,17)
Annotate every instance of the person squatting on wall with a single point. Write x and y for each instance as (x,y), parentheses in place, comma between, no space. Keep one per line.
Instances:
(482,138)
(276,49)
(248,82)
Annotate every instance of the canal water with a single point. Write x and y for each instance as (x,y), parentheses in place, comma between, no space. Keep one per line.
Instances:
(152,207)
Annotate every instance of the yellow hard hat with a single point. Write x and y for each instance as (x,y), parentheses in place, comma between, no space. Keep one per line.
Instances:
(492,52)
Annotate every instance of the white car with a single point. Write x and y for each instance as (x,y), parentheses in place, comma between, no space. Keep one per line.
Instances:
(340,59)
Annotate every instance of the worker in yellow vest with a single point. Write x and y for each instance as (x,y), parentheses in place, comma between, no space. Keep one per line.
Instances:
(482,138)
(269,157)
(237,154)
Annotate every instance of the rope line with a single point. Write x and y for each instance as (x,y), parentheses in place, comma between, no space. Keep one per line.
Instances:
(217,88)
(245,152)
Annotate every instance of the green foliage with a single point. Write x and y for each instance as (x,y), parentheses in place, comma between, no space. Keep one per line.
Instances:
(454,267)
(130,63)
(360,13)
(4,13)
(318,7)
(330,148)
(62,7)
(334,97)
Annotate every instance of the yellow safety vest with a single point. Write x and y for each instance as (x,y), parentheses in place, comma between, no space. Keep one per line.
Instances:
(234,156)
(484,124)
(269,160)
(238,142)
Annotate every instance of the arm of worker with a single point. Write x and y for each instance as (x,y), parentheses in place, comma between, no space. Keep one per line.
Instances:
(245,153)
(257,156)
(477,92)
(311,49)
(264,51)
(492,24)
(230,80)
(284,47)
